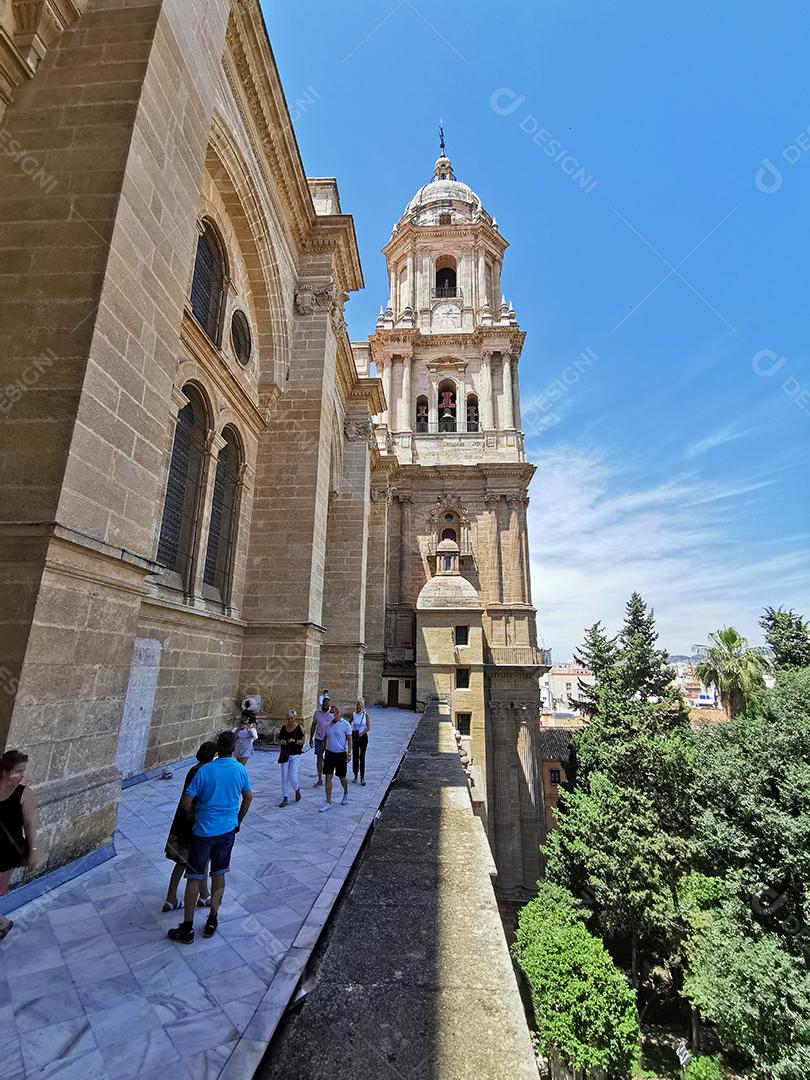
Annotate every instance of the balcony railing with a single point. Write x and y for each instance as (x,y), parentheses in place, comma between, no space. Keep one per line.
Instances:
(519,655)
(443,292)
(447,427)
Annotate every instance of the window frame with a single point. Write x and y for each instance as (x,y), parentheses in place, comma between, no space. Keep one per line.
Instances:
(467,674)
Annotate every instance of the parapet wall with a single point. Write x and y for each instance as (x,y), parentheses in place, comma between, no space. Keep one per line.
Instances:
(415,979)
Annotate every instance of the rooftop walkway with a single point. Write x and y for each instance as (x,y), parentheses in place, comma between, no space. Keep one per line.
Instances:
(90,987)
(414,980)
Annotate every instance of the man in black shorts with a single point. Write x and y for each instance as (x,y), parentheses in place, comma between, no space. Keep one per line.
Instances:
(336,758)
(220,796)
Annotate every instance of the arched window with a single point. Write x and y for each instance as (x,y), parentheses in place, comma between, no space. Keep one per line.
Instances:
(224,512)
(449,534)
(208,282)
(179,525)
(472,413)
(447,406)
(422,413)
(446,276)
(449,527)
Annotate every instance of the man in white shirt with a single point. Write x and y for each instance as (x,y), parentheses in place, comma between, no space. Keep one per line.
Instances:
(337,754)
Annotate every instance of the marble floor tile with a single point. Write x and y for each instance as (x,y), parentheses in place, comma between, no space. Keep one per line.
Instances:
(99,993)
(57,1042)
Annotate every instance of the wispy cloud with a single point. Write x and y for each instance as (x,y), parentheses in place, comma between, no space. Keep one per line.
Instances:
(598,533)
(723,435)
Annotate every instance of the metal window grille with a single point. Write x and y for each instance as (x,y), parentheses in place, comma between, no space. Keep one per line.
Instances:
(179,525)
(224,509)
(207,285)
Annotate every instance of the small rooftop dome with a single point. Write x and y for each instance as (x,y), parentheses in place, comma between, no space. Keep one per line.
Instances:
(447,547)
(448,591)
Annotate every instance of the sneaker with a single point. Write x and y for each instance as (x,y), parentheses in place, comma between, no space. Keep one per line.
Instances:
(298,795)
(326,806)
(362,783)
(344,800)
(283,803)
(317,783)
(183,934)
(210,926)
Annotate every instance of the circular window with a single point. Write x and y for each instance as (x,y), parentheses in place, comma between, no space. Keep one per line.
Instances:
(240,338)
(448,517)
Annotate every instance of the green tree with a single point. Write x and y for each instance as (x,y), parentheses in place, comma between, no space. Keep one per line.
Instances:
(597,654)
(584,1009)
(788,636)
(754,993)
(643,667)
(734,668)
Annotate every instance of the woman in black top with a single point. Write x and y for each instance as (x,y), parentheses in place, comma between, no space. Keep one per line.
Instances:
(291,741)
(18,824)
(179,839)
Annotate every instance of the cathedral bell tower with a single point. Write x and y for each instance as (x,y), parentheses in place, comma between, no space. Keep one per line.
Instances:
(452,467)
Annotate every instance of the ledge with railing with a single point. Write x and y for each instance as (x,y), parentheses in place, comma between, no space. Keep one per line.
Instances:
(447,427)
(446,292)
(518,655)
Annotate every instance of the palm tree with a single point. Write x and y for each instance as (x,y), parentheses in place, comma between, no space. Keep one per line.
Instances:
(734,668)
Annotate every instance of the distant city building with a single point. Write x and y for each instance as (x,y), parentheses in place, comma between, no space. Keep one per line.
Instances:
(559,688)
(697,694)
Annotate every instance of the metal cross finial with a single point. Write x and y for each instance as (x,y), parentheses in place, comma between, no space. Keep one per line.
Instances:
(441,138)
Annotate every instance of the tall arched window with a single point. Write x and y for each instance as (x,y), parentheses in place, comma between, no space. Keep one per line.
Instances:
(181,507)
(224,513)
(472,413)
(446,276)
(447,406)
(208,282)
(422,414)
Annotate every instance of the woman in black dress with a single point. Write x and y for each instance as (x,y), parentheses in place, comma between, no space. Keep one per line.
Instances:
(179,839)
(18,823)
(291,745)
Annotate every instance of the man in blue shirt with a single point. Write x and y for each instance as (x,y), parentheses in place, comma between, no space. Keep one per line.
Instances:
(220,796)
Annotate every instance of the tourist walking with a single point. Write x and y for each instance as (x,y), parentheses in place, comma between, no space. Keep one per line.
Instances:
(291,741)
(179,839)
(220,796)
(337,752)
(246,735)
(321,719)
(361,726)
(18,824)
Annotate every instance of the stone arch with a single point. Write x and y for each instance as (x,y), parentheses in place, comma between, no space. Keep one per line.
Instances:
(239,192)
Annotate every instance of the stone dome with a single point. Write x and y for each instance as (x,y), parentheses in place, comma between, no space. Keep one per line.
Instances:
(445,193)
(448,591)
(447,547)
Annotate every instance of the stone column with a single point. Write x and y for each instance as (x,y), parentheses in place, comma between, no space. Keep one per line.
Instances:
(411,283)
(483,300)
(516,395)
(283,606)
(508,402)
(487,411)
(376,592)
(524,533)
(214,444)
(493,502)
(433,407)
(406,406)
(515,577)
(392,291)
(405,502)
(344,604)
(388,411)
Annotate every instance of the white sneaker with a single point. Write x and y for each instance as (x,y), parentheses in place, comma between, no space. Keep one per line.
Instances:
(326,806)
(344,800)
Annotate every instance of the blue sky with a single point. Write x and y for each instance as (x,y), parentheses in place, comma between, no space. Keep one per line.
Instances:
(659,262)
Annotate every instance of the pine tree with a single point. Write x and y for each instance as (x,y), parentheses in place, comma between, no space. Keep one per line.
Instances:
(597,654)
(788,636)
(643,668)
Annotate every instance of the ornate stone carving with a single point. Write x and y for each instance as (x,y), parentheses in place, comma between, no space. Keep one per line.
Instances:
(357,429)
(383,494)
(308,298)
(449,501)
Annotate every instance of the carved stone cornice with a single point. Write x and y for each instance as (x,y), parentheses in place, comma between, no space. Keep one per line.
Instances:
(492,338)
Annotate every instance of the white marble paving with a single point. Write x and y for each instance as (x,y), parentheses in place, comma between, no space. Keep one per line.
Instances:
(91,988)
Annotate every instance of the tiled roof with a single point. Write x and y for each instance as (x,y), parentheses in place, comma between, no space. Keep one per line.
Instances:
(554,744)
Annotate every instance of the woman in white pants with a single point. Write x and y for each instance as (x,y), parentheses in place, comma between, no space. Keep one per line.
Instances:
(291,741)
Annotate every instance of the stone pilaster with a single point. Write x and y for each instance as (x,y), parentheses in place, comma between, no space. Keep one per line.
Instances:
(487,411)
(344,608)
(376,591)
(508,392)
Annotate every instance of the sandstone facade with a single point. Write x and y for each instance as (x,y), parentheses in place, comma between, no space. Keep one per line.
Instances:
(191,510)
